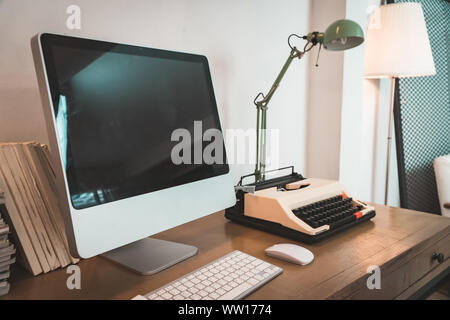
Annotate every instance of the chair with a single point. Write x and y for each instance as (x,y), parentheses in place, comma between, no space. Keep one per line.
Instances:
(442,171)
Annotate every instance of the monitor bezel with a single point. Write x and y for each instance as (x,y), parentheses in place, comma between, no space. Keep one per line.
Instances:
(104,227)
(48,41)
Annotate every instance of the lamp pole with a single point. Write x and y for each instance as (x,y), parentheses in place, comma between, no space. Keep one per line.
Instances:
(389,140)
(261,117)
(261,105)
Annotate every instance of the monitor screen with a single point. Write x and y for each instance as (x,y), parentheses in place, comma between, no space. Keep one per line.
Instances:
(117,110)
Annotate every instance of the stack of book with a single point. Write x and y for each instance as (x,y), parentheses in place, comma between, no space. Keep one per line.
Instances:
(7,250)
(32,208)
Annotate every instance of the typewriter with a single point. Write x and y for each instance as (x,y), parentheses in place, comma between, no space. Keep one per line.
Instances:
(306,210)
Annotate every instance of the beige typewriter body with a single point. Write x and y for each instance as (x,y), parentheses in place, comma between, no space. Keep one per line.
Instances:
(276,205)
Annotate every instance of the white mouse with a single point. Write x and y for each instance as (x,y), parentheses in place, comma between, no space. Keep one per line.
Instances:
(290,252)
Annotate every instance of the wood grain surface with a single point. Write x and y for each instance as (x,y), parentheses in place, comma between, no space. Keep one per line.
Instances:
(399,241)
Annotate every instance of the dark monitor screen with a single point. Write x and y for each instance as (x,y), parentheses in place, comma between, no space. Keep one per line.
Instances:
(116,107)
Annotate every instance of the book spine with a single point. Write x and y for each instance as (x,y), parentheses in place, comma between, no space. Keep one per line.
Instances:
(50,205)
(42,219)
(43,152)
(23,240)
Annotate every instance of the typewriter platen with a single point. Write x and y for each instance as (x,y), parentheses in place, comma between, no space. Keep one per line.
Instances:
(307,210)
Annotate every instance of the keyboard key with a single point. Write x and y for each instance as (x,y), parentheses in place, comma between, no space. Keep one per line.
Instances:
(214,295)
(220,291)
(270,270)
(256,262)
(235,292)
(200,286)
(206,282)
(343,221)
(193,290)
(202,293)
(166,296)
(216,285)
(263,266)
(174,291)
(259,277)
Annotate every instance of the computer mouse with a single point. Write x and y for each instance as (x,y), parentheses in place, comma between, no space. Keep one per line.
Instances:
(291,253)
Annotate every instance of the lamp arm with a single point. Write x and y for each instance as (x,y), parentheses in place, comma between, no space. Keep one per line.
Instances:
(266,98)
(261,111)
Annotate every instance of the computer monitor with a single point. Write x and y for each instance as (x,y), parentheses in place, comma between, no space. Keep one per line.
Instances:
(119,118)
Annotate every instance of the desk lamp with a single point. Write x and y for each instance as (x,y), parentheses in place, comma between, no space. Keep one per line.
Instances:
(397,47)
(340,35)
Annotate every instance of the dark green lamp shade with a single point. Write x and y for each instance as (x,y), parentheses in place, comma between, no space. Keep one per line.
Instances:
(342,35)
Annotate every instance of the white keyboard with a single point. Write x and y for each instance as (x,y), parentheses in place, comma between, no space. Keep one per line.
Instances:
(230,277)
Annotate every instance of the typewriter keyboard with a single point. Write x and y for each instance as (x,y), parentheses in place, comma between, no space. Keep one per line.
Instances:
(335,211)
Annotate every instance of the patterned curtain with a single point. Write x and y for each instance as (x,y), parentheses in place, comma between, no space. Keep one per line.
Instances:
(422,116)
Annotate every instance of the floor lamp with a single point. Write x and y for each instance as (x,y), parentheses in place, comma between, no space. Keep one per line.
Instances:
(397,46)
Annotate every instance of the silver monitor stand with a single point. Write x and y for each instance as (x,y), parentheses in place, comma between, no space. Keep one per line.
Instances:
(149,256)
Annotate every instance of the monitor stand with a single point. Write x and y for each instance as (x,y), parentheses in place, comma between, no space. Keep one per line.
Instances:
(149,255)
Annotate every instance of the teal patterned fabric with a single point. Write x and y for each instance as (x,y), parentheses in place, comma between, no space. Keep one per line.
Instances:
(423,116)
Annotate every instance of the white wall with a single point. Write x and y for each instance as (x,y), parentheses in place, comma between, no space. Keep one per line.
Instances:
(364,124)
(245,41)
(332,122)
(324,97)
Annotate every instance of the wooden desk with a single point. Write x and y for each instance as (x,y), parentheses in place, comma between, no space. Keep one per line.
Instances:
(400,241)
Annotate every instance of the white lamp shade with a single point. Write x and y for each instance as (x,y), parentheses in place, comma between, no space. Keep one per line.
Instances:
(397,43)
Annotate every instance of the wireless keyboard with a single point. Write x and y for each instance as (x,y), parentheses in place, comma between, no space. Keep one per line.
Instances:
(230,277)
